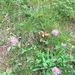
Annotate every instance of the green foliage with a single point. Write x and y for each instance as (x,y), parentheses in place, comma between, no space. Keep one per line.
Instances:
(25,49)
(37,15)
(64,8)
(6,73)
(43,59)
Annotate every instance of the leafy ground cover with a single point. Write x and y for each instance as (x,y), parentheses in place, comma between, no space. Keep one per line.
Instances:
(38,37)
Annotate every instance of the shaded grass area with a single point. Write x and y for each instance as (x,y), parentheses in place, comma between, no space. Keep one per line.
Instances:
(25,19)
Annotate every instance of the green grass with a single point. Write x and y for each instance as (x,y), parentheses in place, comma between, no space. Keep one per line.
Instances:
(37,15)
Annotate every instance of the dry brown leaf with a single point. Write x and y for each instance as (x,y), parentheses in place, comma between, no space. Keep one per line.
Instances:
(41,40)
(46,34)
(43,34)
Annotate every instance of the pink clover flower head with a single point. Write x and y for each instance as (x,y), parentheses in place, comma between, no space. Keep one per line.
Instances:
(13,40)
(54,59)
(55,32)
(63,44)
(56,70)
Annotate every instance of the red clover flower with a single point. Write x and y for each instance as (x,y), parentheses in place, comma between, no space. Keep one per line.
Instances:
(56,70)
(13,40)
(55,32)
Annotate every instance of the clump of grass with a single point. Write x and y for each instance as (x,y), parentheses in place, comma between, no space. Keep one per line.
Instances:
(36,16)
